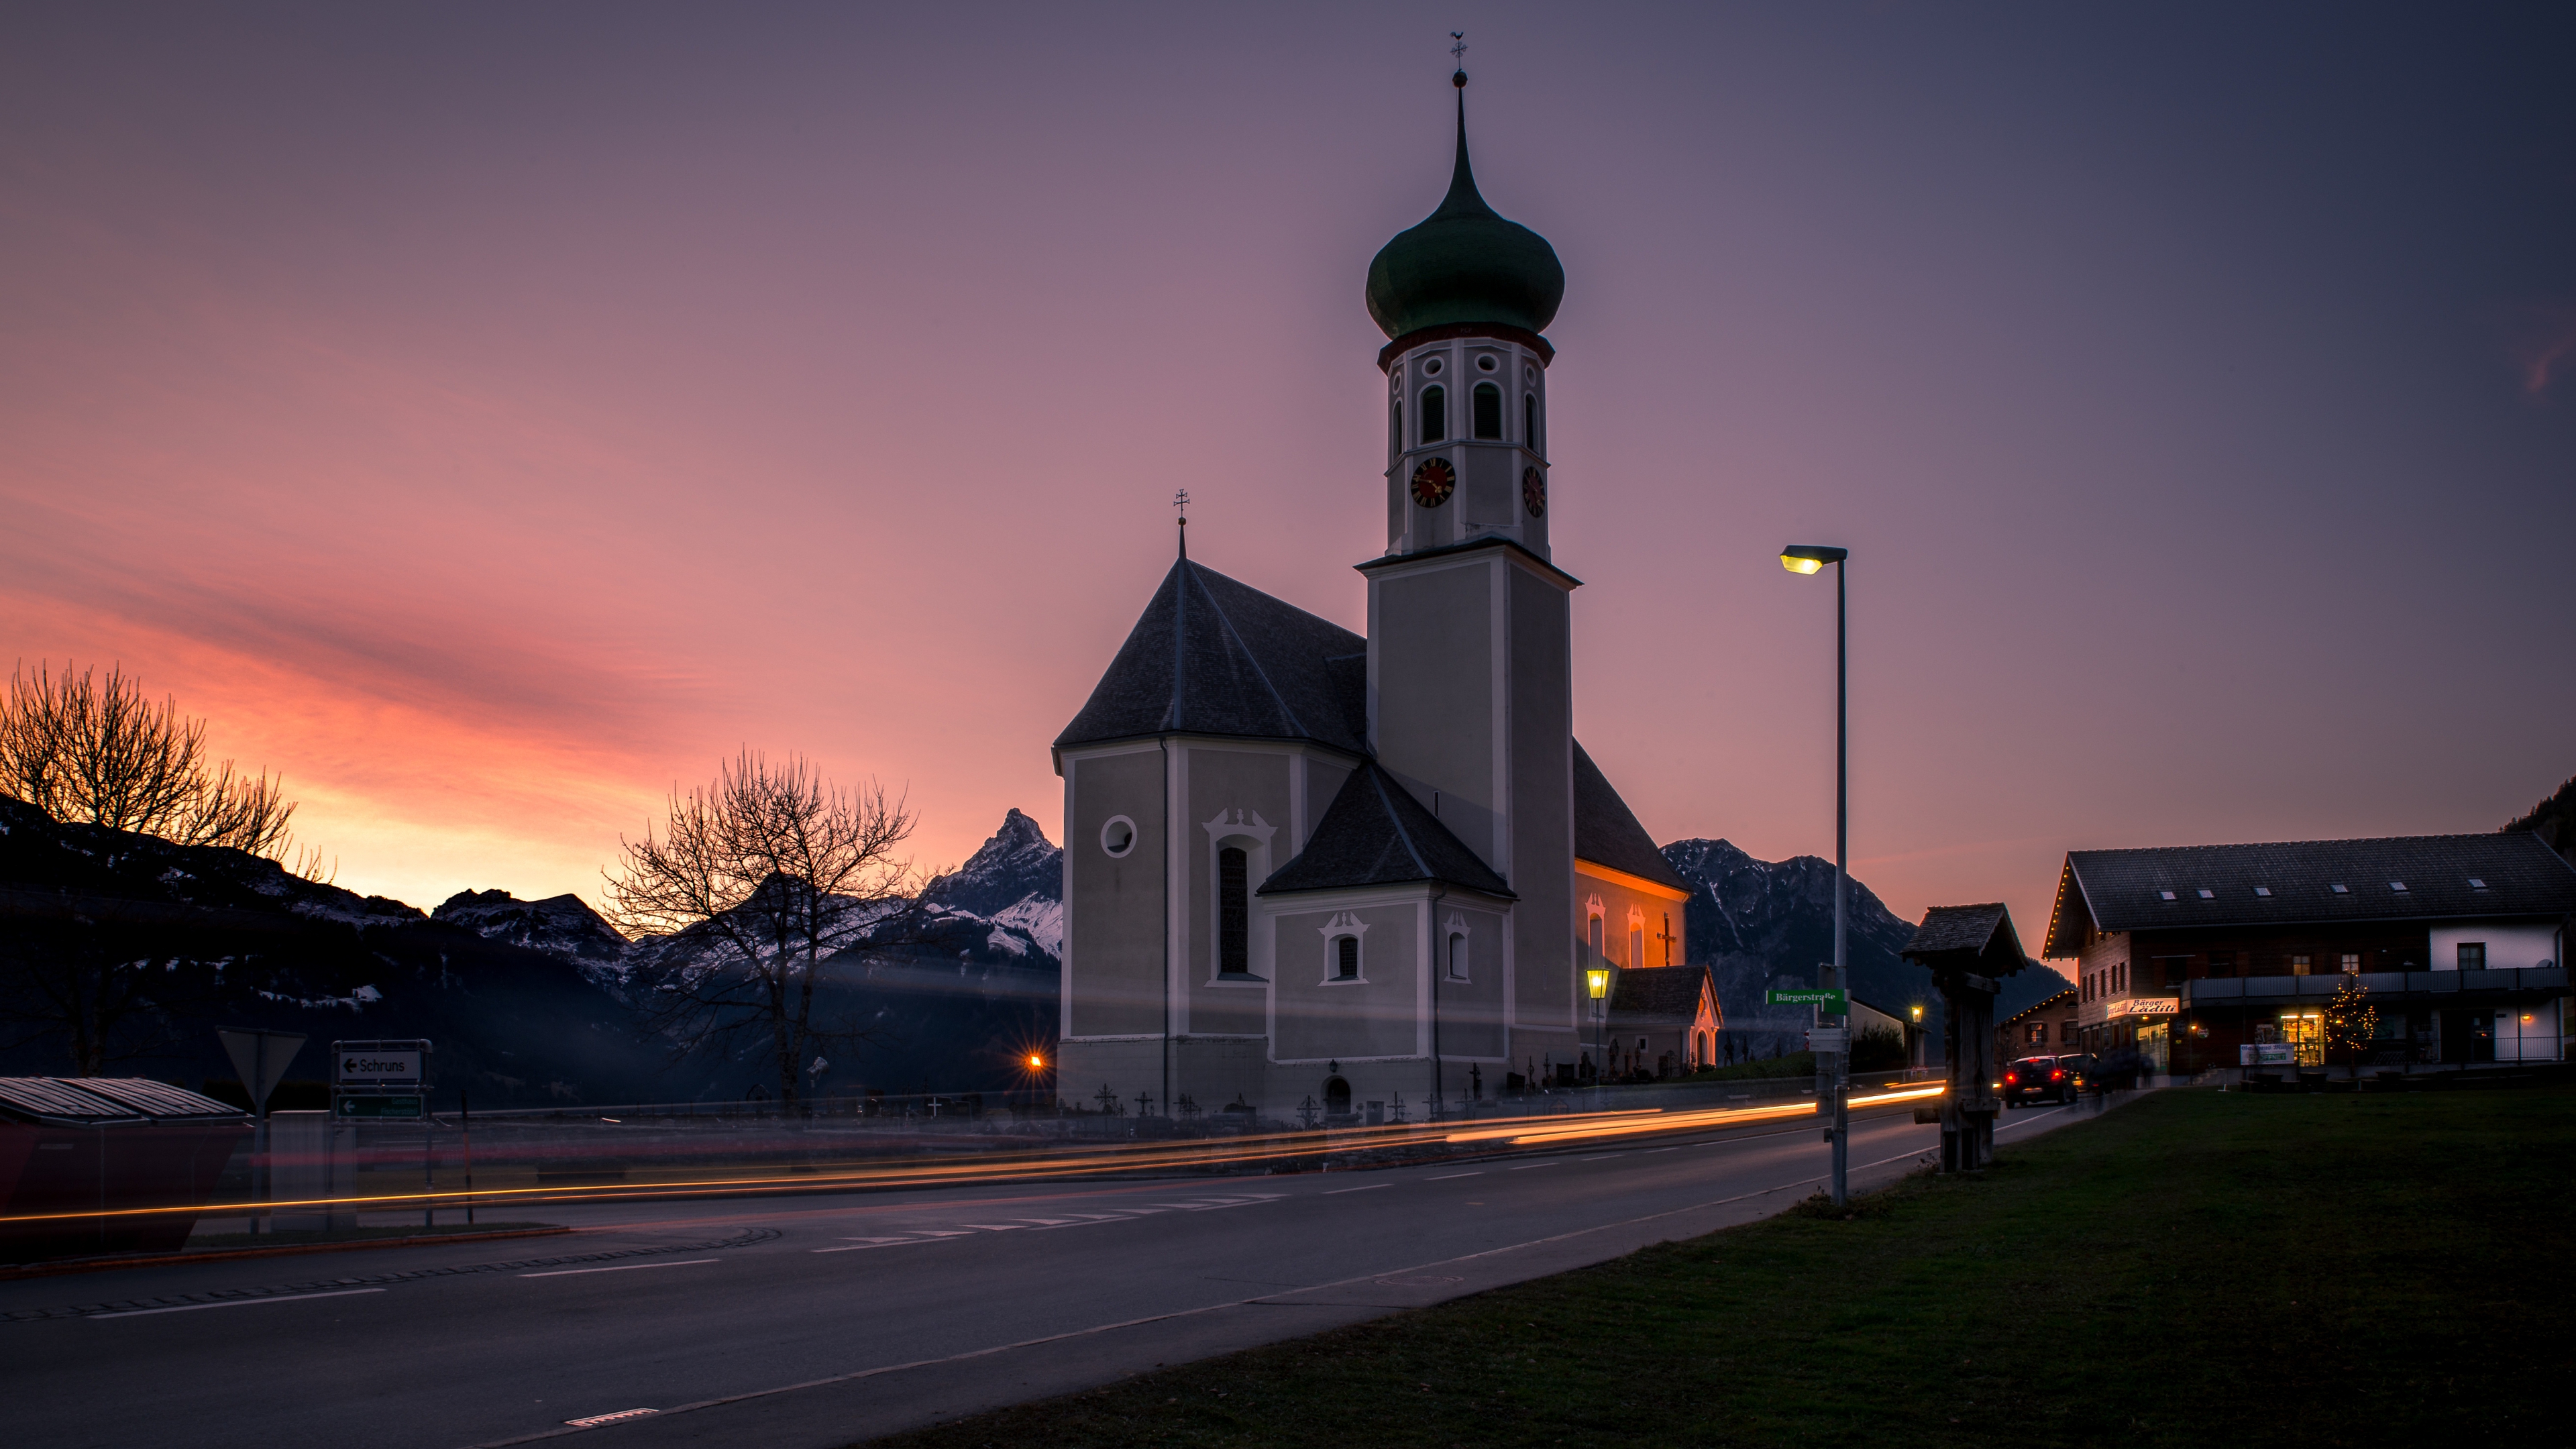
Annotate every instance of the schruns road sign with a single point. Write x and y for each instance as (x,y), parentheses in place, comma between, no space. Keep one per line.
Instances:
(380,1063)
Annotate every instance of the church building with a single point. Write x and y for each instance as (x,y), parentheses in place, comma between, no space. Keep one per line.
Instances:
(1303,866)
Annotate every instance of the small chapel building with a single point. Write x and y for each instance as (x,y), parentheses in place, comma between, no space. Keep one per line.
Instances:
(1306,866)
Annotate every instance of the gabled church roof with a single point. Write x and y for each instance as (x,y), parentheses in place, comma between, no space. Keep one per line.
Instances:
(1376,833)
(1668,992)
(1216,657)
(1606,831)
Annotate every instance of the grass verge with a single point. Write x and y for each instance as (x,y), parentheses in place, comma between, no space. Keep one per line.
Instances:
(2199,1266)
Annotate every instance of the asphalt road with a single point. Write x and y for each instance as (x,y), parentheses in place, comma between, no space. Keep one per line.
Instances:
(821,1320)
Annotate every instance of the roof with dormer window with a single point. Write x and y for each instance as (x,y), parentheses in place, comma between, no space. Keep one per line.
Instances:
(2400,877)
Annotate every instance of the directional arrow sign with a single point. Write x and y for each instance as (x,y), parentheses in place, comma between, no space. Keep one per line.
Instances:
(1830,998)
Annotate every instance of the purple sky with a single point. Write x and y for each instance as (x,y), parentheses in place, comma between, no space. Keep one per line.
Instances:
(490,415)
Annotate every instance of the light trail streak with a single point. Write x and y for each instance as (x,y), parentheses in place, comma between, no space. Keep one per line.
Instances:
(1030,1166)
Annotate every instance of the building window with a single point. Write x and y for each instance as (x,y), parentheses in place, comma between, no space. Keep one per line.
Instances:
(2298,965)
(2352,962)
(2036,1034)
(1233,913)
(1636,945)
(2172,970)
(1593,944)
(1118,836)
(1529,422)
(1457,955)
(1488,401)
(1346,958)
(2222,964)
(1395,426)
(2473,956)
(1435,414)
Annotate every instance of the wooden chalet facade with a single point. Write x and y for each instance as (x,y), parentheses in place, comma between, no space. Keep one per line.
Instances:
(2226,956)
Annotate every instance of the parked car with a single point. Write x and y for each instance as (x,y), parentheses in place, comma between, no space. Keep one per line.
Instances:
(2035,1079)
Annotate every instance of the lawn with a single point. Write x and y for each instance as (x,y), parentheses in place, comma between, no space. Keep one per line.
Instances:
(2197,1267)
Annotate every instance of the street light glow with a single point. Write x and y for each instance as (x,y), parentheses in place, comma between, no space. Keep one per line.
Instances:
(1807,558)
(1798,565)
(1598,980)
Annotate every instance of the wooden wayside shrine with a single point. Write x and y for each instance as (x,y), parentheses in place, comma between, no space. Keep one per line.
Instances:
(1968,950)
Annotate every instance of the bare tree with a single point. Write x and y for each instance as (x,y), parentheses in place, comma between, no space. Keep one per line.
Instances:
(98,752)
(758,882)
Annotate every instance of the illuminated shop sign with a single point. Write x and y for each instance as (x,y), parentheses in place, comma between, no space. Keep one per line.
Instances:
(2146,1006)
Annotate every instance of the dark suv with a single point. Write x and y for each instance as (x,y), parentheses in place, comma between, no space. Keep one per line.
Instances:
(2033,1079)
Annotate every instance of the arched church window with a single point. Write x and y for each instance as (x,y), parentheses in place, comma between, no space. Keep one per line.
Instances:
(1395,425)
(1595,941)
(1489,410)
(1435,415)
(1457,955)
(1233,913)
(1346,958)
(1529,424)
(1636,945)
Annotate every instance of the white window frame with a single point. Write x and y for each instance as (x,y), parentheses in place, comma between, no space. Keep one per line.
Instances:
(1248,832)
(1454,958)
(1344,923)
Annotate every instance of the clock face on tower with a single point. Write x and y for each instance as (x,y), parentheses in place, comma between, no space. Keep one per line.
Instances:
(1533,493)
(1433,481)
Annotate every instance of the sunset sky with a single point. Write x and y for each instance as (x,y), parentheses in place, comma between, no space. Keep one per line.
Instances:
(488,416)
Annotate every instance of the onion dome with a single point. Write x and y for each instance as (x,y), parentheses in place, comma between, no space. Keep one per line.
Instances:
(1465,264)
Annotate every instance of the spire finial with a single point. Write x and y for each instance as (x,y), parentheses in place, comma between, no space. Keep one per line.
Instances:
(1181,501)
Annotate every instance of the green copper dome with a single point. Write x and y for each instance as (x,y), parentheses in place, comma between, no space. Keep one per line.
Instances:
(1464,264)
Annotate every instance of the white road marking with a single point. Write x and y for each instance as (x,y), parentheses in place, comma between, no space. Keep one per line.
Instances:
(1526,1166)
(620,1268)
(1372,1187)
(621,1416)
(1446,1176)
(1604,1157)
(236,1303)
(1651,1151)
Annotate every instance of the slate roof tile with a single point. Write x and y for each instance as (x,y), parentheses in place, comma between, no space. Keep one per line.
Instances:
(1658,991)
(1606,831)
(2293,882)
(1215,656)
(1376,833)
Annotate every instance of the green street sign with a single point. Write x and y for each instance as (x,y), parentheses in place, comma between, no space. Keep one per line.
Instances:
(381,1107)
(1830,998)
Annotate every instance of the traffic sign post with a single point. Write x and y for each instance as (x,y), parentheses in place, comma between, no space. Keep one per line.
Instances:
(261,1058)
(378,1081)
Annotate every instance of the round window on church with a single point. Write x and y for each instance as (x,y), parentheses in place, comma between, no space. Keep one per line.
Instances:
(1118,836)
(1431,368)
(1485,364)
(1529,376)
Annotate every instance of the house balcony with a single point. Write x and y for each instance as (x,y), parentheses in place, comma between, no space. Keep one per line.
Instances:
(2429,988)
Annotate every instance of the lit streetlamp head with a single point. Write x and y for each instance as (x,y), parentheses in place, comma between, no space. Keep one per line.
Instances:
(1807,558)
(1598,981)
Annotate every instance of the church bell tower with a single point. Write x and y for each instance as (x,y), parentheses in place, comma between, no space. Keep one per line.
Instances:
(1469,654)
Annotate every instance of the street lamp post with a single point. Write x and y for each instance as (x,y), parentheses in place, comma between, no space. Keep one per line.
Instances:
(1597,981)
(1807,559)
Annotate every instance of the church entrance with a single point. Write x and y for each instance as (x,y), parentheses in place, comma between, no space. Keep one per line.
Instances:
(1337,1097)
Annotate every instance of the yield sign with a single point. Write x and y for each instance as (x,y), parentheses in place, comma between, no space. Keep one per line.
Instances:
(261,1058)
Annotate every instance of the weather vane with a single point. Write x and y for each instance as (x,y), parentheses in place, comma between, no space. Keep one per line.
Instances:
(1181,501)
(1458,47)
